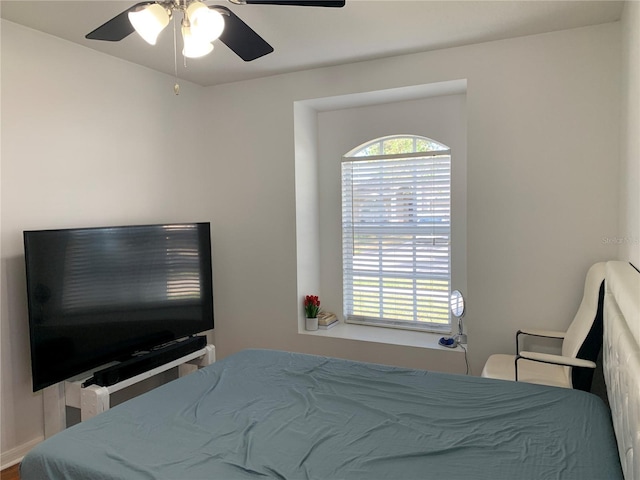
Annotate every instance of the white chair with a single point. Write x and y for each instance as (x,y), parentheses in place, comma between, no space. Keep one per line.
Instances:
(581,344)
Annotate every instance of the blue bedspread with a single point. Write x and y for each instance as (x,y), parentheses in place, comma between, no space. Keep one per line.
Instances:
(268,414)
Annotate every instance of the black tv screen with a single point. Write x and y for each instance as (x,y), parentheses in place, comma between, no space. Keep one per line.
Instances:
(98,295)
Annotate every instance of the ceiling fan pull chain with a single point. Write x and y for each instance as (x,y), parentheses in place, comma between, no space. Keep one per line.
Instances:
(185,22)
(176,86)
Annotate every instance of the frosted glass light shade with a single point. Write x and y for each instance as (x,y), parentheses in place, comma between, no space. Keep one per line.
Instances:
(149,21)
(205,23)
(194,46)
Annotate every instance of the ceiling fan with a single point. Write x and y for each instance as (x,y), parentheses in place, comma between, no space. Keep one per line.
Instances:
(201,25)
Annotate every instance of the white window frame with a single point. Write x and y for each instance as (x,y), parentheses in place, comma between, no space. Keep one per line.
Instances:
(386,255)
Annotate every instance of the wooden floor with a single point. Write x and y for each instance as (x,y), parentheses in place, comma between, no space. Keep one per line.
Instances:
(11,473)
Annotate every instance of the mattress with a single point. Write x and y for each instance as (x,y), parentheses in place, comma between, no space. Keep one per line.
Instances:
(271,414)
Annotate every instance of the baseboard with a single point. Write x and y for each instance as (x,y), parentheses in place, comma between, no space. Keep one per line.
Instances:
(15,455)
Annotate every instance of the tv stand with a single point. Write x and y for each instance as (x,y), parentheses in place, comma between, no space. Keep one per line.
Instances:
(94,399)
(148,361)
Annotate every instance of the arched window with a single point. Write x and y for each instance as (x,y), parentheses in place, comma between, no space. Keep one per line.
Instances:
(396,228)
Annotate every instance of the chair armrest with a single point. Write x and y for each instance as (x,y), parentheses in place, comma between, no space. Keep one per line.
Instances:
(556,359)
(537,333)
(542,333)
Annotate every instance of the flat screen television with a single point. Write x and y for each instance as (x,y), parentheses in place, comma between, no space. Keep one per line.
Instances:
(99,295)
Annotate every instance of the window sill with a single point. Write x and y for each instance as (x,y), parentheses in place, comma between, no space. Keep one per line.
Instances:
(391,336)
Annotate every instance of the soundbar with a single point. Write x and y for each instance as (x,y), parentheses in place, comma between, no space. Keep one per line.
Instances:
(135,366)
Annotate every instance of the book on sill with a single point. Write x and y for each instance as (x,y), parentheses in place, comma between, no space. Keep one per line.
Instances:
(326,318)
(329,325)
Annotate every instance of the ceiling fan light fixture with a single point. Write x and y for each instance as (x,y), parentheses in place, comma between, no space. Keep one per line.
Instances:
(149,21)
(205,23)
(194,46)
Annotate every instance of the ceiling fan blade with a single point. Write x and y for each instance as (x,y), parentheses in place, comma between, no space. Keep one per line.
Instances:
(241,38)
(117,28)
(299,3)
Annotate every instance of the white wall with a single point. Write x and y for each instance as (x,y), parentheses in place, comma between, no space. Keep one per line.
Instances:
(87,140)
(629,229)
(91,140)
(543,116)
(307,209)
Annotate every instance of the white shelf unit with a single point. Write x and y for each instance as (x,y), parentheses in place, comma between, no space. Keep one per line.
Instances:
(94,399)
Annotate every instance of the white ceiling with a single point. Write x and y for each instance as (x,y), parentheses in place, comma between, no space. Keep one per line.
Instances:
(308,37)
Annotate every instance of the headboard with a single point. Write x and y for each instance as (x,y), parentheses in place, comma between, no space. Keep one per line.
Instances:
(622,360)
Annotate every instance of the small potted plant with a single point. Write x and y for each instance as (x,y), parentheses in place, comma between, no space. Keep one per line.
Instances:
(311,309)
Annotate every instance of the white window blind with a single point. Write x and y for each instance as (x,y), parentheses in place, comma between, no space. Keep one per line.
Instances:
(396,239)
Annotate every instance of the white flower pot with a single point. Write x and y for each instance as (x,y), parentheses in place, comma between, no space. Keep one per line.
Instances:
(311,323)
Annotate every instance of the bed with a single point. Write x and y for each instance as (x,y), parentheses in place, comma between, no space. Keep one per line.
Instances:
(272,414)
